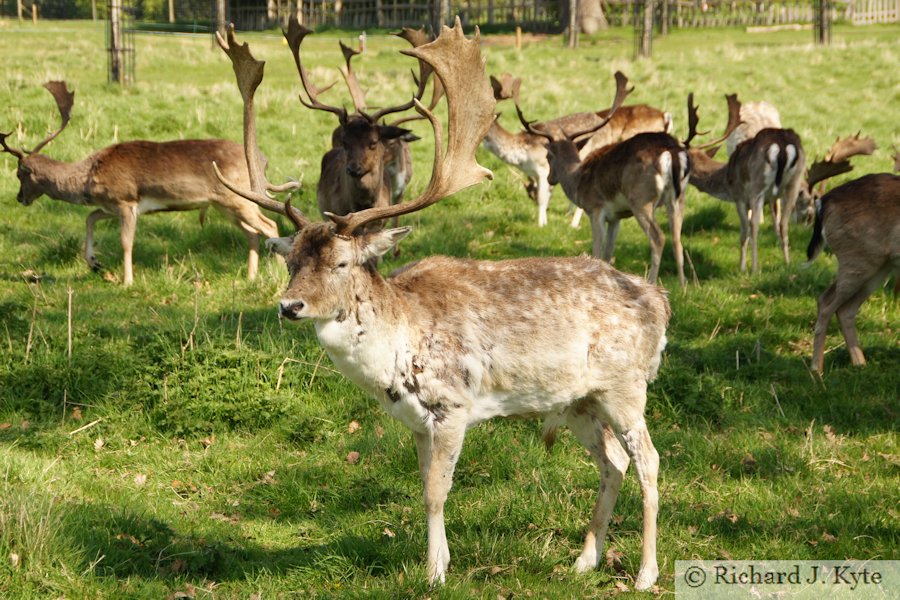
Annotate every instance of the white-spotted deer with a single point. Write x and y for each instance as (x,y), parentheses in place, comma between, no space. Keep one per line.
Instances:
(630,178)
(446,343)
(860,221)
(767,168)
(133,178)
(528,152)
(357,172)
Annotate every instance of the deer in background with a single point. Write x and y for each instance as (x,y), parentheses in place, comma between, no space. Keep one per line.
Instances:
(133,178)
(630,178)
(528,152)
(764,168)
(447,343)
(860,221)
(755,116)
(353,173)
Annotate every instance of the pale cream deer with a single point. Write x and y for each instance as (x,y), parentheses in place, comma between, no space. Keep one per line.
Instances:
(133,178)
(447,343)
(528,152)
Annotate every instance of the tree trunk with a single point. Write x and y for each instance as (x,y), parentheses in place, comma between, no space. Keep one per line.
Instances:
(647,29)
(591,18)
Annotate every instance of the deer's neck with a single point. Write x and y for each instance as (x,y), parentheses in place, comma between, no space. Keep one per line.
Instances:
(69,182)
(709,176)
(513,149)
(569,176)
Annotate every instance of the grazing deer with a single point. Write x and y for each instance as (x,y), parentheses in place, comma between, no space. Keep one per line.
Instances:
(755,116)
(765,168)
(631,178)
(134,178)
(354,175)
(528,152)
(446,343)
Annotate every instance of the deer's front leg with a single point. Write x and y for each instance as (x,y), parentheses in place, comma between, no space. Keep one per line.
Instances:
(438,453)
(89,257)
(128,224)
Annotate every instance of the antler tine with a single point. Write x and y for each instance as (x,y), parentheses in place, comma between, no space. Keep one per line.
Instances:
(437,93)
(529,125)
(693,121)
(64,101)
(734,119)
(416,38)
(17,153)
(249,74)
(356,93)
(853,145)
(837,160)
(294,35)
(622,92)
(458,63)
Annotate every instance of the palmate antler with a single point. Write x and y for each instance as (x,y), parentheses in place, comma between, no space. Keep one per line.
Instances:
(249,73)
(837,160)
(64,101)
(622,92)
(458,63)
(734,119)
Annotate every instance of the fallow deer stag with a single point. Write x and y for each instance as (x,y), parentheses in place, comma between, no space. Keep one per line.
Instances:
(353,174)
(528,152)
(446,343)
(134,178)
(769,168)
(860,221)
(631,178)
(755,116)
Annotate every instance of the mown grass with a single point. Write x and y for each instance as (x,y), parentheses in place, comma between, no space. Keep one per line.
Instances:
(218,465)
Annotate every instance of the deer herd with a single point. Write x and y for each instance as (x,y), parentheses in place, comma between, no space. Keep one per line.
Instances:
(445,343)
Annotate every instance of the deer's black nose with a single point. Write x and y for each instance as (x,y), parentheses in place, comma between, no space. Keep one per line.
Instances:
(291,309)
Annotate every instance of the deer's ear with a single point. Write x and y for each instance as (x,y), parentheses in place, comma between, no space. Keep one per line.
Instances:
(376,244)
(390,132)
(280,245)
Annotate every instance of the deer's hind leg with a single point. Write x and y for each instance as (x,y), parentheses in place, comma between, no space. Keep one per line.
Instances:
(612,462)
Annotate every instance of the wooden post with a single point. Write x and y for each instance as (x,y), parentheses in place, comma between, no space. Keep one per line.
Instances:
(572,41)
(220,17)
(172,11)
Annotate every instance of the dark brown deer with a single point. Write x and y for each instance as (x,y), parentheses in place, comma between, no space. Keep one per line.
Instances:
(860,221)
(447,343)
(133,178)
(528,152)
(631,178)
(353,173)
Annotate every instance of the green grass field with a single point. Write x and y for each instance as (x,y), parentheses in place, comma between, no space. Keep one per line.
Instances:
(215,464)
